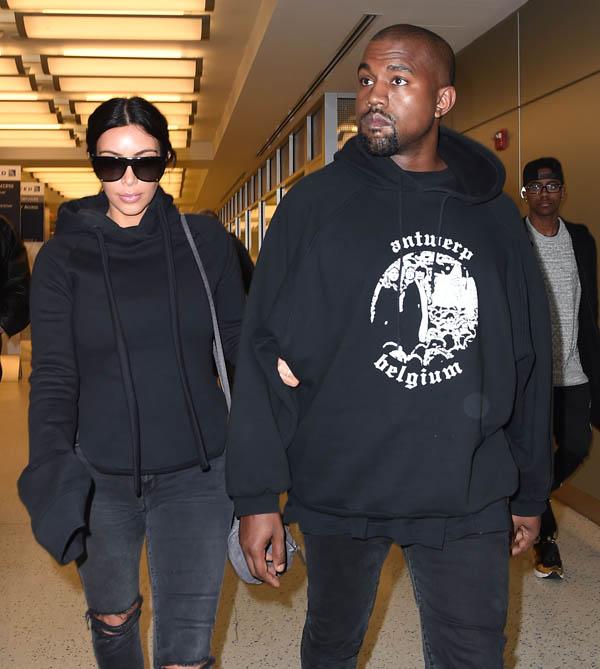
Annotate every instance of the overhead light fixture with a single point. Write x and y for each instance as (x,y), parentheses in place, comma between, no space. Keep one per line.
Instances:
(21,96)
(184,108)
(13,119)
(36,134)
(18,83)
(128,85)
(22,108)
(123,53)
(175,122)
(71,66)
(130,27)
(151,97)
(108,5)
(11,65)
(66,177)
(29,143)
(58,170)
(180,139)
(30,126)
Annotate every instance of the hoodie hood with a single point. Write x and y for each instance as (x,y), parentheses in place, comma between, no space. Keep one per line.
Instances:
(479,174)
(89,214)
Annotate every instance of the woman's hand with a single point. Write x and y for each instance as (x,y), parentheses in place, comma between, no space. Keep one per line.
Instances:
(286,374)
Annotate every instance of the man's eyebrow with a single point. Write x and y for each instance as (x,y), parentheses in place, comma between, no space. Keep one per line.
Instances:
(391,68)
(400,68)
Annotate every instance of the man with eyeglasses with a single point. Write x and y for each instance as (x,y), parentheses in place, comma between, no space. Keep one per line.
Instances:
(567,256)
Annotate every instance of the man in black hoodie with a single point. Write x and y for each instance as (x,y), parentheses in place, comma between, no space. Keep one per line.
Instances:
(399,287)
(14,282)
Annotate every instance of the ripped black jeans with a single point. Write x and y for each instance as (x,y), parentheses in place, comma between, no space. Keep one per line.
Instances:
(185,517)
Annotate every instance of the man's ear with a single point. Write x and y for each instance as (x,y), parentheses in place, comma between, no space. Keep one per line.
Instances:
(446,98)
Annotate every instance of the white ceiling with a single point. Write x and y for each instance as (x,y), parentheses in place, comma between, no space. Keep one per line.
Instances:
(260,58)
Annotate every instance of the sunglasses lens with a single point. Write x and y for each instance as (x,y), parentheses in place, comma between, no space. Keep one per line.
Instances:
(108,168)
(150,168)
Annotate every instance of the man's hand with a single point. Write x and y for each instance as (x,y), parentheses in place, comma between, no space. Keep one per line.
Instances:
(526,530)
(257,532)
(286,374)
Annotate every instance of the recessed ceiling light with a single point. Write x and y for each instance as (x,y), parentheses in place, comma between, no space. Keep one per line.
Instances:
(119,67)
(126,27)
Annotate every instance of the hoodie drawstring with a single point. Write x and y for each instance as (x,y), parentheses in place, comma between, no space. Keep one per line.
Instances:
(195,425)
(125,364)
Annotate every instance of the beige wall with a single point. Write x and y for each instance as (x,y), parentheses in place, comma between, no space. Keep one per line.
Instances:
(538,74)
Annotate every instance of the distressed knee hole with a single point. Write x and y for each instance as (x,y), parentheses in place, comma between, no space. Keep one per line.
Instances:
(115,624)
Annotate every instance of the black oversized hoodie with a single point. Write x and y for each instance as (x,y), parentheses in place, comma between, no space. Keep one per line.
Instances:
(415,317)
(122,356)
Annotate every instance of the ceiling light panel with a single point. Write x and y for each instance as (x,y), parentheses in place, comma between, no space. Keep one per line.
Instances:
(118,67)
(167,108)
(128,85)
(58,170)
(41,135)
(27,119)
(33,143)
(175,122)
(124,27)
(17,83)
(11,65)
(108,5)
(23,108)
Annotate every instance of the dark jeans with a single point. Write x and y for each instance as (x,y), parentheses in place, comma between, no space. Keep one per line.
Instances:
(461,591)
(185,517)
(573,437)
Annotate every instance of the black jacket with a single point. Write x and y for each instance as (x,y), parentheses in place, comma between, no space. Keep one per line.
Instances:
(14,281)
(417,320)
(122,355)
(588,342)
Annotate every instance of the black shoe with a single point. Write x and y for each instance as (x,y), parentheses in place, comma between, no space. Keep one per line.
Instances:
(547,559)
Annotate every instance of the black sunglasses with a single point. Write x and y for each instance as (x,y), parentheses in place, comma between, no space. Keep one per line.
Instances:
(145,168)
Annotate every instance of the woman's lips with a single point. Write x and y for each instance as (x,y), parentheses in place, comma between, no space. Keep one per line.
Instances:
(130,198)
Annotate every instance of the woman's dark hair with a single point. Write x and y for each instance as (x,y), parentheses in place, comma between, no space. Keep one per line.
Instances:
(117,112)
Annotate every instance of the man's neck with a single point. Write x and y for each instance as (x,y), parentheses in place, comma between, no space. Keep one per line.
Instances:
(545,225)
(422,156)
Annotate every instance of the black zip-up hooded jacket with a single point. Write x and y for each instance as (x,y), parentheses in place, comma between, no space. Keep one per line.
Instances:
(122,356)
(14,281)
(416,319)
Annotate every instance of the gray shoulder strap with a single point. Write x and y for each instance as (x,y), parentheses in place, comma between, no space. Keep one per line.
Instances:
(217,345)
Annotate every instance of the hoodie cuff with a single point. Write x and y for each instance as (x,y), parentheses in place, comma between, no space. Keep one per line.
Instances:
(59,531)
(250,506)
(527,507)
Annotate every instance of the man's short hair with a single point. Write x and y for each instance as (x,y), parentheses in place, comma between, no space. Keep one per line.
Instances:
(543,168)
(440,51)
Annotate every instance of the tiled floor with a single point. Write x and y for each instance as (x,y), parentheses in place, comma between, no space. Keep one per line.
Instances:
(552,625)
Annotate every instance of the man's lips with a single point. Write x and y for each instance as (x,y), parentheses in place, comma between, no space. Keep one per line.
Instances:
(375,120)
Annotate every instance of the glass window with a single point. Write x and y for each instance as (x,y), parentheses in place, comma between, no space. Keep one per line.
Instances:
(274,175)
(316,126)
(270,206)
(299,147)
(254,234)
(263,179)
(285,159)
(242,229)
(346,126)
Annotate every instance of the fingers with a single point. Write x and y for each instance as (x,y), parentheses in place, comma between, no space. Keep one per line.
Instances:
(257,533)
(526,530)
(286,374)
(278,551)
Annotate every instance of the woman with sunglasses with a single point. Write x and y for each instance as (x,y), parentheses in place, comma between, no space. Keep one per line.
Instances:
(127,422)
